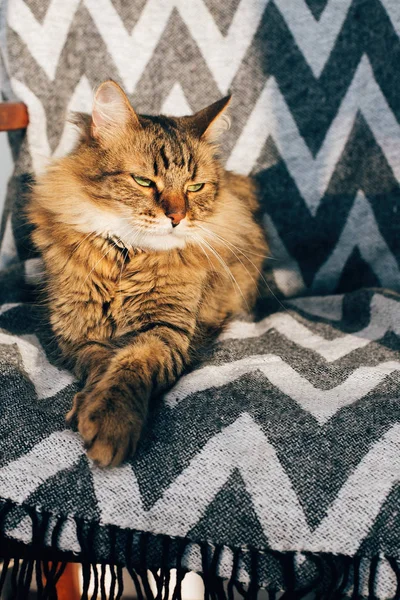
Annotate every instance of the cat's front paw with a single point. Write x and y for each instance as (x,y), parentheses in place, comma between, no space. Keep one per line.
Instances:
(107,424)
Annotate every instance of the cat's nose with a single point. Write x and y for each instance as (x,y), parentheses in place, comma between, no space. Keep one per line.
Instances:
(176,218)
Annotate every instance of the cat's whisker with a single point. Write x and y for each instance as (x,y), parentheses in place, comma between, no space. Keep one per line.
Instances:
(225,242)
(199,243)
(76,248)
(204,252)
(124,313)
(198,240)
(227,245)
(202,241)
(228,270)
(237,247)
(248,226)
(251,262)
(91,270)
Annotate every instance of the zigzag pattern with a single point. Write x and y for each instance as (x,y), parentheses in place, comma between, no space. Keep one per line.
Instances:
(322,404)
(384,317)
(242,437)
(271,117)
(265,480)
(311,138)
(293,418)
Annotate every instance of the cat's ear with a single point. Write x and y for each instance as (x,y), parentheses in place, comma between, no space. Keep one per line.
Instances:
(111,112)
(210,122)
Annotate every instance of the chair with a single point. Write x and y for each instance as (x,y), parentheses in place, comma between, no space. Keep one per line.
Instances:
(13,116)
(274,464)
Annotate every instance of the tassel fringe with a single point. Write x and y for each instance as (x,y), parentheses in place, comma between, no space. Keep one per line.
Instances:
(149,559)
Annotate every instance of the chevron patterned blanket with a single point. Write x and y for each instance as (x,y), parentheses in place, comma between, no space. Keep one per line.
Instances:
(282,445)
(275,463)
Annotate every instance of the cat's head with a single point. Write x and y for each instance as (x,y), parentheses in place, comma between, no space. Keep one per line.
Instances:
(146,180)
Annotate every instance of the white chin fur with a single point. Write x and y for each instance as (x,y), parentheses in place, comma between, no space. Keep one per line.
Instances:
(110,225)
(148,241)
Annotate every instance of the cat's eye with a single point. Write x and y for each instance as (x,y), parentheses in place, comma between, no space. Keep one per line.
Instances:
(196,187)
(143,181)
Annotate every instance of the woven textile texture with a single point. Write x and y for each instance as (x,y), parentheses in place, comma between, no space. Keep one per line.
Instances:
(276,461)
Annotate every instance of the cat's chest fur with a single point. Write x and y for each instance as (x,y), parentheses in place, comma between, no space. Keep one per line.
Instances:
(141,289)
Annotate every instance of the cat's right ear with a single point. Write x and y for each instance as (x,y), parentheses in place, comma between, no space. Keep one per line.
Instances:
(112,112)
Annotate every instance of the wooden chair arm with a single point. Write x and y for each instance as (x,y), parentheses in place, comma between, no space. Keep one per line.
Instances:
(13,115)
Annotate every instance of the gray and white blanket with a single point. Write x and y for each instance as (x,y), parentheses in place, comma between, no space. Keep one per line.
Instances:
(275,462)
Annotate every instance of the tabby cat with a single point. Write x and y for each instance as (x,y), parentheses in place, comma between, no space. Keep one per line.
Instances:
(149,247)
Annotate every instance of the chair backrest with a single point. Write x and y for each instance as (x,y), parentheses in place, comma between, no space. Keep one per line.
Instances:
(13,115)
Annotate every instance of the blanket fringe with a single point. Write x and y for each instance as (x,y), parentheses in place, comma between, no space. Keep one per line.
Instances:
(335,577)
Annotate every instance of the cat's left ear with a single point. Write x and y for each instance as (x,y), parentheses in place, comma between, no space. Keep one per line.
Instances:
(210,122)
(112,111)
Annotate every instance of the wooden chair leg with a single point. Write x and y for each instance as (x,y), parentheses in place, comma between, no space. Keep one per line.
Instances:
(68,587)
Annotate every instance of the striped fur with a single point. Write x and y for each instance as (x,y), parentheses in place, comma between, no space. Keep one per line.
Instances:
(132,298)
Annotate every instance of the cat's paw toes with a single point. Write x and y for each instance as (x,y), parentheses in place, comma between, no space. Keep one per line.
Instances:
(110,430)
(109,437)
(72,414)
(105,453)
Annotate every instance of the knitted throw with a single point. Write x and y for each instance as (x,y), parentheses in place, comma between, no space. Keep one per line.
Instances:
(275,463)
